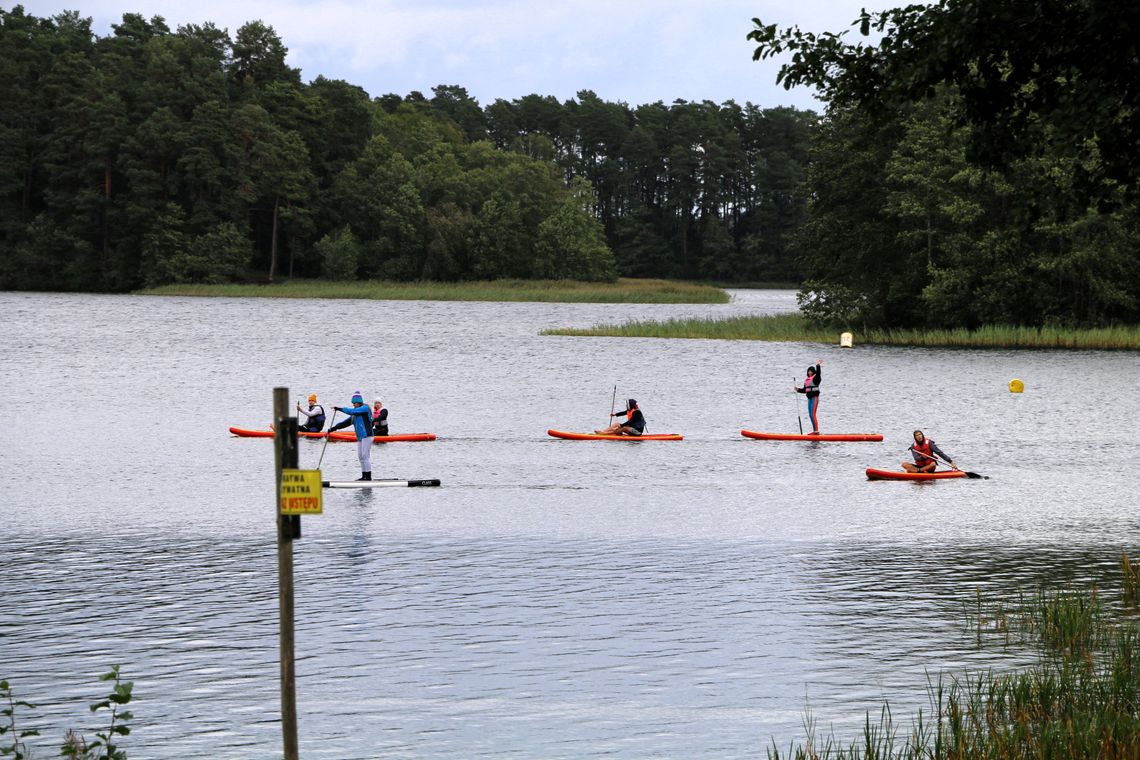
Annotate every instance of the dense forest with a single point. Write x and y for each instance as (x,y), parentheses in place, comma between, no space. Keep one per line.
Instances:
(152,156)
(977,163)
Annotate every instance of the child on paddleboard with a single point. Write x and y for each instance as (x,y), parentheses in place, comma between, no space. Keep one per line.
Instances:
(379,418)
(811,390)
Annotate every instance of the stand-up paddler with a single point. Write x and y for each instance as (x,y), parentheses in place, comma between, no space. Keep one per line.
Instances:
(360,417)
(811,390)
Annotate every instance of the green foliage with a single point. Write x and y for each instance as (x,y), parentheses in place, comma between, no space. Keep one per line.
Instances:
(166,252)
(795,327)
(977,166)
(106,745)
(123,157)
(498,241)
(221,255)
(461,109)
(826,303)
(9,731)
(1017,64)
(1081,700)
(446,228)
(46,253)
(551,291)
(571,246)
(339,254)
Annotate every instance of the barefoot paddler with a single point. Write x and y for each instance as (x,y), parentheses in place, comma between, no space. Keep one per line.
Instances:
(634,423)
(926,455)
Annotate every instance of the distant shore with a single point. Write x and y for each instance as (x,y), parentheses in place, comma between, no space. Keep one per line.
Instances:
(794,328)
(625,290)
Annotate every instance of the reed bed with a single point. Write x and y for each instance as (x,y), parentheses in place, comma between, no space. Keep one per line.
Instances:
(781,327)
(1082,700)
(625,290)
(1131,579)
(1066,621)
(794,328)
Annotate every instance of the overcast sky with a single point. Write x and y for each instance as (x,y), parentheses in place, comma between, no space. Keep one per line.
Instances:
(636,51)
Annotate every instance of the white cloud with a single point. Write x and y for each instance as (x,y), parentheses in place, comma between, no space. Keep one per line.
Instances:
(632,50)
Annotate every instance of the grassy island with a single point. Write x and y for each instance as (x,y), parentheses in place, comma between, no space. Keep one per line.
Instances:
(794,328)
(625,290)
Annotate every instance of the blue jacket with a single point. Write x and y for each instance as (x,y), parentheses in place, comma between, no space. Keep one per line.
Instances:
(361,419)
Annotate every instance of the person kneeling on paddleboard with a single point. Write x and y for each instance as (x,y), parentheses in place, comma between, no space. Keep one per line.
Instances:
(379,419)
(925,452)
(634,423)
(314,417)
(360,417)
(811,390)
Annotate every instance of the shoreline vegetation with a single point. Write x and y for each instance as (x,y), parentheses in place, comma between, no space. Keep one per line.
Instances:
(1079,701)
(794,328)
(625,290)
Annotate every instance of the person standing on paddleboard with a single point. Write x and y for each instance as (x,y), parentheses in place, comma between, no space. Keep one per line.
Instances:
(811,390)
(360,417)
(379,419)
(634,423)
(314,417)
(924,452)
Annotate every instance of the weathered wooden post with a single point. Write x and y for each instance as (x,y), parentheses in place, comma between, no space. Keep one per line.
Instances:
(288,528)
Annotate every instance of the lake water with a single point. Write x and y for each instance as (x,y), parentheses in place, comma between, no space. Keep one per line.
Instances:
(554,599)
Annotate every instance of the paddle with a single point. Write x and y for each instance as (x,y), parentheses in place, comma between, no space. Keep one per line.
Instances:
(327,435)
(799,419)
(612,402)
(306,416)
(972,475)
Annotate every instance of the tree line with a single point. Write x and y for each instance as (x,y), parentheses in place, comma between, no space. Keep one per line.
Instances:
(977,163)
(151,156)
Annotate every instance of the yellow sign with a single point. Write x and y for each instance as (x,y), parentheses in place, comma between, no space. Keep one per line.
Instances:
(301,492)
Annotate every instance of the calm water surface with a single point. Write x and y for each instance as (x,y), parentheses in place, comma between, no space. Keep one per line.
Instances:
(554,598)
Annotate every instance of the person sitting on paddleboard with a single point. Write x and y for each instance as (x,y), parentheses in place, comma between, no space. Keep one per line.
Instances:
(811,390)
(379,418)
(924,452)
(634,423)
(360,417)
(314,417)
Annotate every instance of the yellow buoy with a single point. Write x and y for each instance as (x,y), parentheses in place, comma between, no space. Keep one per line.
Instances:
(846,340)
(1016,386)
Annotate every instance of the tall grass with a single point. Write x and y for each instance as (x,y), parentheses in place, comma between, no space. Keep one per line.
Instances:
(625,290)
(1082,700)
(1131,579)
(1070,622)
(793,327)
(781,327)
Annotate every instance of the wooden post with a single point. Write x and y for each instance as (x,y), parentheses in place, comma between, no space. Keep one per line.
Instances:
(288,528)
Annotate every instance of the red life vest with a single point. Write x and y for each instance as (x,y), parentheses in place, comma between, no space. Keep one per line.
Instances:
(927,448)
